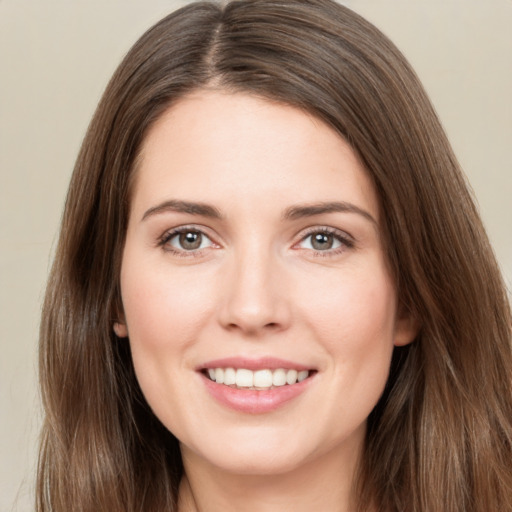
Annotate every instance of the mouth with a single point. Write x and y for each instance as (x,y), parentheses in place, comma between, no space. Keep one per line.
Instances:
(256,386)
(260,380)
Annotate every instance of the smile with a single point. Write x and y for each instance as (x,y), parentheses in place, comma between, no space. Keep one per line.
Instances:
(243,378)
(256,386)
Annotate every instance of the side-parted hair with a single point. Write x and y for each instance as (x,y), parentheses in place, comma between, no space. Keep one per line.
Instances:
(440,438)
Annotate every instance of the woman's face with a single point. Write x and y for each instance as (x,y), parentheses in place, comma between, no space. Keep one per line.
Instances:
(253,255)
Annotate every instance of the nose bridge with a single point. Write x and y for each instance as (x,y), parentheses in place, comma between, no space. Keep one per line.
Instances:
(253,301)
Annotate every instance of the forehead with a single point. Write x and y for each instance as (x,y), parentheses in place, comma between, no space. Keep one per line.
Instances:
(214,145)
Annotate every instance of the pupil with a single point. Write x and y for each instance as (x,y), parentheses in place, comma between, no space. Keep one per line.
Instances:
(322,241)
(190,240)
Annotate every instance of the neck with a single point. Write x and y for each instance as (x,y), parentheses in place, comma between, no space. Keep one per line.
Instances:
(325,483)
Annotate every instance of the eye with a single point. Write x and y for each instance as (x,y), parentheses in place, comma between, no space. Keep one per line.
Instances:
(325,240)
(320,241)
(185,240)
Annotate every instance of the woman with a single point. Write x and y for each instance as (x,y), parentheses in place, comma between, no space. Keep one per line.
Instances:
(272,289)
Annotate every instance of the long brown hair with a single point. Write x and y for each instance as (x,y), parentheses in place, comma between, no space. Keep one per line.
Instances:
(440,439)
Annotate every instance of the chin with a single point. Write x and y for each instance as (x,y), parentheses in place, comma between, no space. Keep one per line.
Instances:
(248,463)
(261,451)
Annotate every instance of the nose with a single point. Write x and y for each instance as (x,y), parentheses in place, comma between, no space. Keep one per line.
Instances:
(254,300)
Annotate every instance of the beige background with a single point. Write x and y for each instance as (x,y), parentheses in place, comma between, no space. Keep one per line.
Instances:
(55,59)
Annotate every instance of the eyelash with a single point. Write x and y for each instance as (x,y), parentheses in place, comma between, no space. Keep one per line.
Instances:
(346,242)
(169,235)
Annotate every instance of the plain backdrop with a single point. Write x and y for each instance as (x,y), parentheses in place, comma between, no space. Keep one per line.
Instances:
(56,57)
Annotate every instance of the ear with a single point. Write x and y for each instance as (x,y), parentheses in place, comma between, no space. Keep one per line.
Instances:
(120,329)
(406,329)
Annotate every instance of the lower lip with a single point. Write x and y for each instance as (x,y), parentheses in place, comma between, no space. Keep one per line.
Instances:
(252,401)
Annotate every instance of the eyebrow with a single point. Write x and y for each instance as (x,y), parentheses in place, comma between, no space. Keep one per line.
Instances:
(291,213)
(310,210)
(205,210)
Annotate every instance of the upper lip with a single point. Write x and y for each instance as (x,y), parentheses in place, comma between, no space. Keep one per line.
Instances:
(254,364)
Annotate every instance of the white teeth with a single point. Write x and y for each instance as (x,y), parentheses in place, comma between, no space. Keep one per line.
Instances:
(259,379)
(244,378)
(229,376)
(279,377)
(302,375)
(291,377)
(263,379)
(219,375)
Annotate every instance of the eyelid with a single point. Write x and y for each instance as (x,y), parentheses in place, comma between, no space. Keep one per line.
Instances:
(347,241)
(164,239)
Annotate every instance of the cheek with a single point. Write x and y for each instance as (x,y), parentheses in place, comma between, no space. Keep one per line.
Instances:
(357,309)
(163,312)
(159,305)
(354,321)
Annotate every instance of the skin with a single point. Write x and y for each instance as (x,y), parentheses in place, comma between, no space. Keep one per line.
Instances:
(258,287)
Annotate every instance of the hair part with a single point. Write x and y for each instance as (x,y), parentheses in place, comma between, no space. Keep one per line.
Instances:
(441,436)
